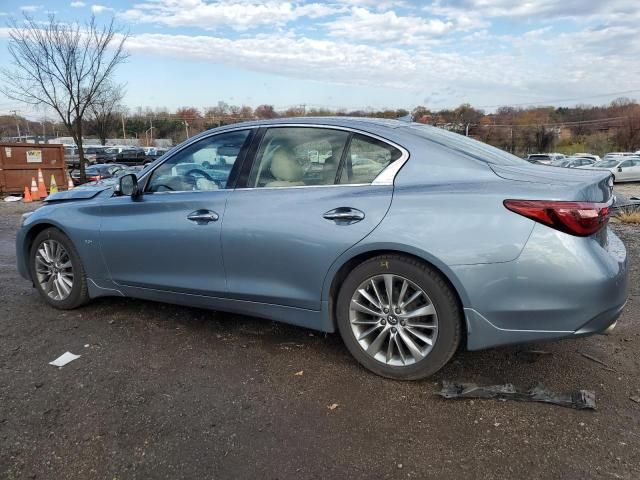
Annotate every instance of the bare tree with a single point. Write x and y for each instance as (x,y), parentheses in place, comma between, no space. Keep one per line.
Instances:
(62,66)
(104,109)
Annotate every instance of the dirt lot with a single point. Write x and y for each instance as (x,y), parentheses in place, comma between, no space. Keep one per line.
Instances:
(169,392)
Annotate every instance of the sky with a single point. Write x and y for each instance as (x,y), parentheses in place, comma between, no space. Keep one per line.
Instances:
(359,54)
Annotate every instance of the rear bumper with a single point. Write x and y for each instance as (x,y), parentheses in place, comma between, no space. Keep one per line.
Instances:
(560,286)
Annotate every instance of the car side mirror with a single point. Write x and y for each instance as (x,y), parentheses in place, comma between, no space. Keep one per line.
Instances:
(128,186)
(619,169)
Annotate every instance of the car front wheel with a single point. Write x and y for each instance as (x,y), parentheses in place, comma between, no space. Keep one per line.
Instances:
(57,271)
(399,317)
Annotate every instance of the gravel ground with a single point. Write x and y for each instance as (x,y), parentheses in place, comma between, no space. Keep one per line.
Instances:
(162,391)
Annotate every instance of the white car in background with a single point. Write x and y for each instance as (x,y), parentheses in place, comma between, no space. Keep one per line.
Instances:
(623,168)
(595,158)
(573,162)
(618,155)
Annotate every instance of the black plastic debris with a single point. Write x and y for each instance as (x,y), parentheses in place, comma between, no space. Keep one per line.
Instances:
(580,399)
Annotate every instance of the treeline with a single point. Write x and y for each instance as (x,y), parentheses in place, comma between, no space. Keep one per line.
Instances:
(597,129)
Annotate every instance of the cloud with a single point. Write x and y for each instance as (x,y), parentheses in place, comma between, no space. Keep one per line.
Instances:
(535,9)
(492,74)
(98,9)
(235,14)
(78,4)
(30,8)
(364,25)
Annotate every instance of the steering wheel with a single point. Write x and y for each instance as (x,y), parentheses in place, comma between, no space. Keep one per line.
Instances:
(197,171)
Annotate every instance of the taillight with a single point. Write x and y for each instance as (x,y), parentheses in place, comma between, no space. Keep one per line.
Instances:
(576,218)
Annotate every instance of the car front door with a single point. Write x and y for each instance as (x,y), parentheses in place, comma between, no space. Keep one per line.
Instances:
(309,196)
(169,237)
(625,170)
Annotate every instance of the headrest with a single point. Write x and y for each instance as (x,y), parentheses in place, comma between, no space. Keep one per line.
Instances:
(284,166)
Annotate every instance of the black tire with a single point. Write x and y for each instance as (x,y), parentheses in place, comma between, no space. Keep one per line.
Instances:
(443,298)
(79,294)
(613,178)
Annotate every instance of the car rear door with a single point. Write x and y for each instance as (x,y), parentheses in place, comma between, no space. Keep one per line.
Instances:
(169,238)
(299,206)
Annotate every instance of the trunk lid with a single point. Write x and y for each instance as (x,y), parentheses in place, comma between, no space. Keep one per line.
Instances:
(572,184)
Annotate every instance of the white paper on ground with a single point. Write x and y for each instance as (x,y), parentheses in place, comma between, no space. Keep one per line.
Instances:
(63,359)
(12,199)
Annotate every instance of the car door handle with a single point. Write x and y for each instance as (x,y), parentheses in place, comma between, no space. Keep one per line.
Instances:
(344,215)
(203,216)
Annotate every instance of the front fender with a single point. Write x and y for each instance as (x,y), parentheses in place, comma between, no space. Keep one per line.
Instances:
(78,221)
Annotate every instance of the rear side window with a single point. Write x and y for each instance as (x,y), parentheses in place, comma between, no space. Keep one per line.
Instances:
(297,157)
(366,158)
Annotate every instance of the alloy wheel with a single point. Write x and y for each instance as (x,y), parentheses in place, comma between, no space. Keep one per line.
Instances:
(393,320)
(54,269)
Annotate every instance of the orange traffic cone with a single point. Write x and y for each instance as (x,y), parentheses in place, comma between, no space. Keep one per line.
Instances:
(35,195)
(42,188)
(69,184)
(27,195)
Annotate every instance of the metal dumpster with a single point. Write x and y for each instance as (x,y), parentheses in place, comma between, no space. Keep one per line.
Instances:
(19,162)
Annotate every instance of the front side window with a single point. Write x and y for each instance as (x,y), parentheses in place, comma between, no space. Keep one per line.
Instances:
(366,158)
(626,163)
(298,156)
(204,165)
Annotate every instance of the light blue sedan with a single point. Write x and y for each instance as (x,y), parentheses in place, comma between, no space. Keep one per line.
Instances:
(408,239)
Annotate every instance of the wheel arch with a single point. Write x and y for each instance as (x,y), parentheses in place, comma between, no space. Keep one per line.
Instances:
(341,269)
(30,236)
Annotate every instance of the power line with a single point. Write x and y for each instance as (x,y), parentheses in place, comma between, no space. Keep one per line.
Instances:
(558,124)
(560,100)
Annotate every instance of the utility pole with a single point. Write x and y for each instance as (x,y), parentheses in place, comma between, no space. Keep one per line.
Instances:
(467,131)
(124,133)
(15,115)
(151,128)
(186,128)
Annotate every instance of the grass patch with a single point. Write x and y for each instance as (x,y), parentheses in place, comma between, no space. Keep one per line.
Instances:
(627,215)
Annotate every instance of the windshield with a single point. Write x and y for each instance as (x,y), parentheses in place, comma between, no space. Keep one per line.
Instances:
(607,163)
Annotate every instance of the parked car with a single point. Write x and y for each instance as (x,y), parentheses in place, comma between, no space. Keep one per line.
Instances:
(124,156)
(595,158)
(544,158)
(623,169)
(617,155)
(97,172)
(447,241)
(92,152)
(572,162)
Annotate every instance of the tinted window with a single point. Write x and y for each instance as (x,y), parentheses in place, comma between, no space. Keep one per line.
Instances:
(366,158)
(204,165)
(626,163)
(298,156)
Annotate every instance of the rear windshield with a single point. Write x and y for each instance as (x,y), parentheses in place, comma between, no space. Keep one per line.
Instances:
(468,146)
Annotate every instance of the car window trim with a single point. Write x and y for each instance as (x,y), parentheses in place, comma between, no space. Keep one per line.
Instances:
(144,180)
(385,177)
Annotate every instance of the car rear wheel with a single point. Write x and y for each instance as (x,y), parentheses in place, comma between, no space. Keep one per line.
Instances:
(398,317)
(57,271)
